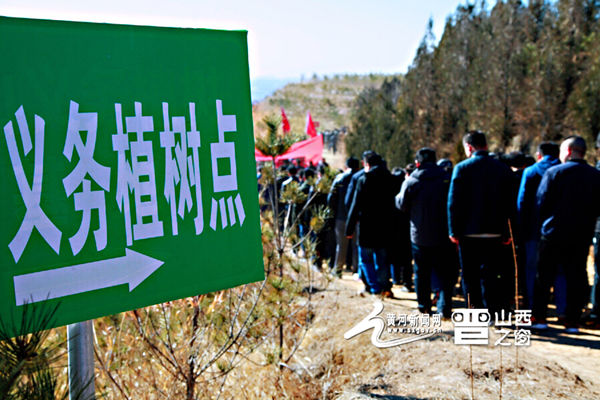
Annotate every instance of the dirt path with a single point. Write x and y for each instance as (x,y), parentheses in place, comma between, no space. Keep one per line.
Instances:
(556,365)
(337,160)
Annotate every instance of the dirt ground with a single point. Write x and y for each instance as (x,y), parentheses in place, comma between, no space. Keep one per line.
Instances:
(337,160)
(555,365)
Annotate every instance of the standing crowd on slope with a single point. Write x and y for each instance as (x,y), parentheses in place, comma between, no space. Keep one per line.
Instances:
(481,222)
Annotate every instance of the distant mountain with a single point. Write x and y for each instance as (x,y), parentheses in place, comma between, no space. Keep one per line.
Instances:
(263,87)
(329,100)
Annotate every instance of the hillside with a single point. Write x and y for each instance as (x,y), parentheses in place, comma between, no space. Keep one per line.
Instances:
(329,100)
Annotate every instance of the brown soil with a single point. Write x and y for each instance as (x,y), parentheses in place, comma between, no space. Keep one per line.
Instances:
(337,160)
(555,365)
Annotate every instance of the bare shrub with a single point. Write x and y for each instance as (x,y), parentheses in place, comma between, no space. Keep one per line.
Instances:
(190,347)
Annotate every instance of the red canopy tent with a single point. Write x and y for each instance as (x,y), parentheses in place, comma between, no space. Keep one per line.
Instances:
(306,150)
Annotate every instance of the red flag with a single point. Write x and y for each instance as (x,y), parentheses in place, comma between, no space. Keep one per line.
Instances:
(284,120)
(310,126)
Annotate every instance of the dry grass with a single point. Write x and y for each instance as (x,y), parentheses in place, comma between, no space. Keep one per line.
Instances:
(326,366)
(437,368)
(329,367)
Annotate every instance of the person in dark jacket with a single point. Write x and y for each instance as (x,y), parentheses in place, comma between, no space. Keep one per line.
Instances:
(337,204)
(306,215)
(594,321)
(371,208)
(547,154)
(292,171)
(567,205)
(355,177)
(348,203)
(424,195)
(479,207)
(325,245)
(400,252)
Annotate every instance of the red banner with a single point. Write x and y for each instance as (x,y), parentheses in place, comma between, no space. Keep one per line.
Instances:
(306,150)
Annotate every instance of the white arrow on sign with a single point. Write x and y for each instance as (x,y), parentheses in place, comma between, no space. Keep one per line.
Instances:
(131,269)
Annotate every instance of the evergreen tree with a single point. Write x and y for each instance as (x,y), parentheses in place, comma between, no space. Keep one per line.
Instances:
(523,72)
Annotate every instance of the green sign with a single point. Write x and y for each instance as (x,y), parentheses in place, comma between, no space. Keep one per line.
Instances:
(127,166)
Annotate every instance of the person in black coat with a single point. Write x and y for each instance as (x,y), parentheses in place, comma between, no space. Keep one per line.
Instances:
(595,297)
(337,205)
(325,245)
(424,196)
(567,207)
(352,185)
(400,252)
(348,202)
(479,206)
(371,207)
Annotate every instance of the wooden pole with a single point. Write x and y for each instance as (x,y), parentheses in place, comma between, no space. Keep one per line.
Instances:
(471,353)
(512,240)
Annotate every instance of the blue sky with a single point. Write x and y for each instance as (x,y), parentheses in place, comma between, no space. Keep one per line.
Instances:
(286,39)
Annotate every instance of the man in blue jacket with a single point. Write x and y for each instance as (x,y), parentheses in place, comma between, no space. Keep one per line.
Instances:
(424,195)
(547,155)
(479,206)
(567,205)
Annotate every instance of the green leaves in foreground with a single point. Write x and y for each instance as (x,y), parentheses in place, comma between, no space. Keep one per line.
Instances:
(274,144)
(26,365)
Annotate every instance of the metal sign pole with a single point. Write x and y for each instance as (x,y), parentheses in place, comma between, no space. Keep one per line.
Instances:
(80,338)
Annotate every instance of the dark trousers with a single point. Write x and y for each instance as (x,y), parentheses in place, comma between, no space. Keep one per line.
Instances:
(376,268)
(483,273)
(428,259)
(401,259)
(573,259)
(596,288)
(342,244)
(326,246)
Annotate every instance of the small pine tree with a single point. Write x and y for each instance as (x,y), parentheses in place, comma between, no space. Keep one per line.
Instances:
(28,364)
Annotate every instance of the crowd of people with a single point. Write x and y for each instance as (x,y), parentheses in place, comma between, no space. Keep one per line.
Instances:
(332,138)
(483,223)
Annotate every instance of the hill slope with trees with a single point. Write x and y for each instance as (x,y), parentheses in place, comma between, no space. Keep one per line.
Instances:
(521,72)
(329,100)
